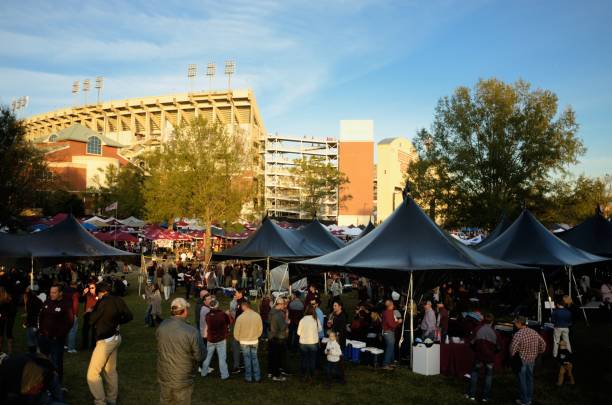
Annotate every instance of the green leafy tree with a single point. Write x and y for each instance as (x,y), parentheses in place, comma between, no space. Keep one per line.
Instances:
(571,201)
(203,172)
(320,181)
(56,201)
(490,148)
(23,171)
(122,184)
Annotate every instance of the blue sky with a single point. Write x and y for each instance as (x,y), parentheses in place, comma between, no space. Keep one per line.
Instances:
(312,63)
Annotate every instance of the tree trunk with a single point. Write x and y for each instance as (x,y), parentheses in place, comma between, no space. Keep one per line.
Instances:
(208,242)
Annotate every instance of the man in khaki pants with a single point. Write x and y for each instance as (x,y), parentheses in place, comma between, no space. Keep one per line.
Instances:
(107,315)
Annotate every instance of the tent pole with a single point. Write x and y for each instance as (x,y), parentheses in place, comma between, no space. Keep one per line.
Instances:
(325,282)
(411,291)
(569,279)
(579,298)
(142,268)
(268,281)
(547,293)
(401,341)
(540,306)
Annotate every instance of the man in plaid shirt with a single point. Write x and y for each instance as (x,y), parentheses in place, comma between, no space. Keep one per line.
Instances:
(528,344)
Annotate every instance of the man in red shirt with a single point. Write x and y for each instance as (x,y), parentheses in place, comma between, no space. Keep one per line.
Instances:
(391,321)
(217,324)
(527,344)
(55,321)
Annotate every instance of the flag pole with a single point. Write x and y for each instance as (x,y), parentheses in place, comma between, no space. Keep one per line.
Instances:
(115,233)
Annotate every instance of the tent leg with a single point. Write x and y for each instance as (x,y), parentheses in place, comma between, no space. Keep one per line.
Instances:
(579,298)
(569,279)
(547,294)
(268,281)
(325,282)
(410,300)
(405,314)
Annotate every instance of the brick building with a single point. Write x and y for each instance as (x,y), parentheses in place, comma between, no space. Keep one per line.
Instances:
(76,153)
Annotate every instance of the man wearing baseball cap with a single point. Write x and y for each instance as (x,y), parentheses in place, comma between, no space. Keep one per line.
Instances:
(178,355)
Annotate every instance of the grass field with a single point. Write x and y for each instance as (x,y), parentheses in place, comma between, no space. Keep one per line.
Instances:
(365,385)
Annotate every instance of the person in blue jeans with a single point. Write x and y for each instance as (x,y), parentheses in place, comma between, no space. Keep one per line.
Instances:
(485,347)
(247,331)
(251,363)
(217,324)
(527,344)
(390,321)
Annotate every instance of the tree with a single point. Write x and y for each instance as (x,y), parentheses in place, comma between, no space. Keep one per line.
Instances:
(491,148)
(23,171)
(572,200)
(320,181)
(203,172)
(123,184)
(56,201)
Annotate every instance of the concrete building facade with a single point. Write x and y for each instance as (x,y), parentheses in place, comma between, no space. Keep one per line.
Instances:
(356,161)
(145,123)
(282,193)
(394,156)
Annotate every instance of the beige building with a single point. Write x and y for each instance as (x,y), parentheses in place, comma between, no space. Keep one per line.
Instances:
(394,156)
(282,193)
(144,123)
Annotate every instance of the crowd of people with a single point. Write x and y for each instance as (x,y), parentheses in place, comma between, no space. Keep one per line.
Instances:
(51,311)
(315,326)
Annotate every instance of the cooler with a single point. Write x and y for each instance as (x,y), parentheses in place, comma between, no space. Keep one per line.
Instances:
(356,350)
(426,360)
(348,350)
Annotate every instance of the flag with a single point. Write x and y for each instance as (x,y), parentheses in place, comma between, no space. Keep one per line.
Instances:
(111,207)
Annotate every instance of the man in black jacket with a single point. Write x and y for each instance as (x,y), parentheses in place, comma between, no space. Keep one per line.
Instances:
(108,314)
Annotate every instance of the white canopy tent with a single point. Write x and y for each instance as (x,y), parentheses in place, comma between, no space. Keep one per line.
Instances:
(132,222)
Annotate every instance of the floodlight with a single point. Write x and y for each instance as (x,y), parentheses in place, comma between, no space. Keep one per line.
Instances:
(230,69)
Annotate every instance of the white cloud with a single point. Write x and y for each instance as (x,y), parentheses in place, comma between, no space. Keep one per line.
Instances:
(287,51)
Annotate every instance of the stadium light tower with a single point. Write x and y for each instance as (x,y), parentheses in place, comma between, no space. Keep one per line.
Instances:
(86,87)
(192,71)
(211,71)
(75,91)
(230,69)
(19,104)
(99,86)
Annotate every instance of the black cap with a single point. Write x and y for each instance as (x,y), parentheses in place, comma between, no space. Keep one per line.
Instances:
(103,286)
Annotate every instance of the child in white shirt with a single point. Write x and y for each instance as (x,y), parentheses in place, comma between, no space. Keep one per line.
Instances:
(334,355)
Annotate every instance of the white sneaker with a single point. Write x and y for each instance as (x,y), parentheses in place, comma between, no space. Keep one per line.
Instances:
(210,369)
(72,351)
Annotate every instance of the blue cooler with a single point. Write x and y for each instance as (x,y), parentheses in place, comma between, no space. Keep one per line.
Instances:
(348,350)
(356,347)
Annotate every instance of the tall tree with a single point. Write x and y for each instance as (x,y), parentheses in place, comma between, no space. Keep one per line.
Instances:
(320,181)
(59,200)
(205,172)
(572,200)
(23,171)
(122,184)
(491,147)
